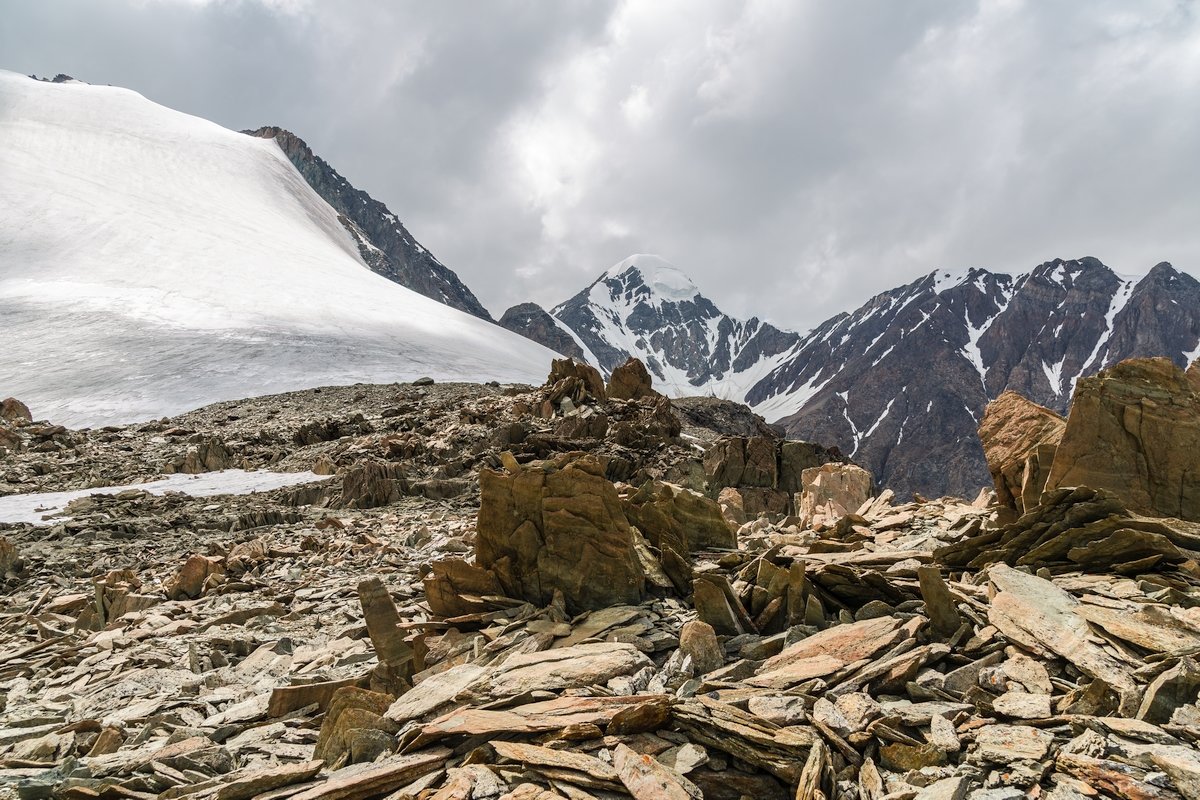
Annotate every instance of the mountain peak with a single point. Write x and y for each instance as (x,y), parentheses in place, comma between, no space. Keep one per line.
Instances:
(660,276)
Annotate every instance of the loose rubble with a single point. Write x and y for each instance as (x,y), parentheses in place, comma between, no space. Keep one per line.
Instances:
(578,616)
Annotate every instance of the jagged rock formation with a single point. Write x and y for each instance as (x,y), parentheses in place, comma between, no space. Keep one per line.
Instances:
(383,242)
(534,322)
(1134,429)
(1019,438)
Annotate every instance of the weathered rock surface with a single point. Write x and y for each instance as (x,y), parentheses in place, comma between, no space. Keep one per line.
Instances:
(631,381)
(1134,429)
(13,410)
(558,525)
(832,491)
(675,517)
(1019,440)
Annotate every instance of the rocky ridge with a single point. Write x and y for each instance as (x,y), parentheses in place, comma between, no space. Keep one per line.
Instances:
(384,243)
(330,648)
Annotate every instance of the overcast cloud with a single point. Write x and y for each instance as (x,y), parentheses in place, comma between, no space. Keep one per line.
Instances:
(792,157)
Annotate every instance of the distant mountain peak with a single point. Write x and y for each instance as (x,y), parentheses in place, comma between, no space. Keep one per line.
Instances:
(662,278)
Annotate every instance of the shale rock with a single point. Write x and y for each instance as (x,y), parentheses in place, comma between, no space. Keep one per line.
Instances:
(1134,429)
(832,491)
(558,525)
(631,381)
(13,410)
(1019,439)
(671,516)
(371,484)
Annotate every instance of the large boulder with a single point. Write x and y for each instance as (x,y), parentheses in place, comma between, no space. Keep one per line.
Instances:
(8,556)
(741,461)
(1019,439)
(558,524)
(13,410)
(671,516)
(631,381)
(372,484)
(832,491)
(1134,429)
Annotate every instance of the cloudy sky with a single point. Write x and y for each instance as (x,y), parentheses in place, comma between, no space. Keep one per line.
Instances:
(792,157)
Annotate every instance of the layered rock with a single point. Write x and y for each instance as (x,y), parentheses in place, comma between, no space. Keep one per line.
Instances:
(558,525)
(1134,429)
(671,516)
(832,491)
(1019,438)
(758,473)
(631,381)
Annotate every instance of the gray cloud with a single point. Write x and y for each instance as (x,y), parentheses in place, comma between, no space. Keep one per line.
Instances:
(793,157)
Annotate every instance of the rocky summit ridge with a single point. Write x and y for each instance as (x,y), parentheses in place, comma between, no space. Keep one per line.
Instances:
(587,589)
(384,243)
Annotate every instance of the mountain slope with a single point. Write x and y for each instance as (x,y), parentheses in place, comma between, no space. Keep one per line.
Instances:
(383,242)
(901,382)
(153,261)
(645,307)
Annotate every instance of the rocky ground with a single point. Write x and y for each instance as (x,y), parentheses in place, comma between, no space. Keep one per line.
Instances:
(580,590)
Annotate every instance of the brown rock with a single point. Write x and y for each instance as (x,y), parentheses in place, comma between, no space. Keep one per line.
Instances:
(1135,429)
(698,640)
(371,484)
(741,461)
(189,582)
(671,516)
(8,555)
(453,588)
(832,491)
(558,524)
(13,410)
(566,668)
(209,455)
(647,779)
(249,784)
(574,380)
(1019,438)
(631,381)
(351,712)
(383,623)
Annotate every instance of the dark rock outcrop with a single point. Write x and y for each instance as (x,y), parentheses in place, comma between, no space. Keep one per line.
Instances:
(534,322)
(383,241)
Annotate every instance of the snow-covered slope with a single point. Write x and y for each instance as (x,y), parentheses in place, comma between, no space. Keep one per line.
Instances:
(151,261)
(643,306)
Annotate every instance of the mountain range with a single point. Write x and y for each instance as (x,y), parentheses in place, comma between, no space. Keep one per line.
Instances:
(162,262)
(900,383)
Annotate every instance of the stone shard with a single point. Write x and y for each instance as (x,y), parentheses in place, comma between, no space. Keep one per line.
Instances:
(372,484)
(631,381)
(1134,429)
(1019,438)
(558,525)
(832,491)
(1034,612)
(698,640)
(575,380)
(565,668)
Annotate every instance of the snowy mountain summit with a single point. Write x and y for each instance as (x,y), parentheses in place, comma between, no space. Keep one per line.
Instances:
(154,261)
(644,306)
